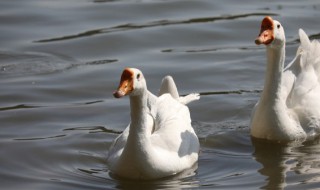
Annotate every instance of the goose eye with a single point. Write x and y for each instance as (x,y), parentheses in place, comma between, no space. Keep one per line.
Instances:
(138,76)
(278,26)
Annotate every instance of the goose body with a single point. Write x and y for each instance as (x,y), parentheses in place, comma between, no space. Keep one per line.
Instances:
(289,106)
(159,140)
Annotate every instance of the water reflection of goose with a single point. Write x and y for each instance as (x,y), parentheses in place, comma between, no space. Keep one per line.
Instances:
(289,107)
(283,164)
(271,156)
(160,140)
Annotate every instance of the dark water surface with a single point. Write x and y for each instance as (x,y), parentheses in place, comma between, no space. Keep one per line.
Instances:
(61,60)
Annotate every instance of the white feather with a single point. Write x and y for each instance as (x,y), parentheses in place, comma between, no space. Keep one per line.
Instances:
(289,108)
(159,141)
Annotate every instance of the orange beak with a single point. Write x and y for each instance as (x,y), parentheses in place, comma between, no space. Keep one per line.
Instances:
(126,84)
(266,35)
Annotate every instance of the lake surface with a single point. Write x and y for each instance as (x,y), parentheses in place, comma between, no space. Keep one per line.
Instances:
(60,61)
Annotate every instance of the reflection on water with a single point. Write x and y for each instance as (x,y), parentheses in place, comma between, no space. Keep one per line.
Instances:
(60,61)
(280,162)
(183,180)
(270,155)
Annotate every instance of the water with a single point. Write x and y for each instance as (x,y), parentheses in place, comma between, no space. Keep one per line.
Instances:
(60,61)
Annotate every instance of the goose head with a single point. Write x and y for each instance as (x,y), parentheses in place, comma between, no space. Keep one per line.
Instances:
(132,83)
(271,33)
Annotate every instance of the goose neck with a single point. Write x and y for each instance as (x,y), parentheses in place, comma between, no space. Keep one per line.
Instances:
(273,78)
(139,110)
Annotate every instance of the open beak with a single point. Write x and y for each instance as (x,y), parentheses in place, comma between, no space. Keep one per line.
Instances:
(266,35)
(126,84)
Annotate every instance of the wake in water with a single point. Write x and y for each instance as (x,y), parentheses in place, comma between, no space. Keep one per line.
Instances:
(30,63)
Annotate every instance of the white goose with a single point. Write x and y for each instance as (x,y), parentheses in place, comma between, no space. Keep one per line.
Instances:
(160,140)
(289,107)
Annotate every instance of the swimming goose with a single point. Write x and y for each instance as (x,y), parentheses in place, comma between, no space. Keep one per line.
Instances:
(289,106)
(159,140)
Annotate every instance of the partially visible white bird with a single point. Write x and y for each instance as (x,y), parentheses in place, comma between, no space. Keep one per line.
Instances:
(289,106)
(159,140)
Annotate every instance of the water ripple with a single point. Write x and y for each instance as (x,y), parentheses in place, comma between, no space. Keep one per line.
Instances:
(95,129)
(40,138)
(20,106)
(133,26)
(228,92)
